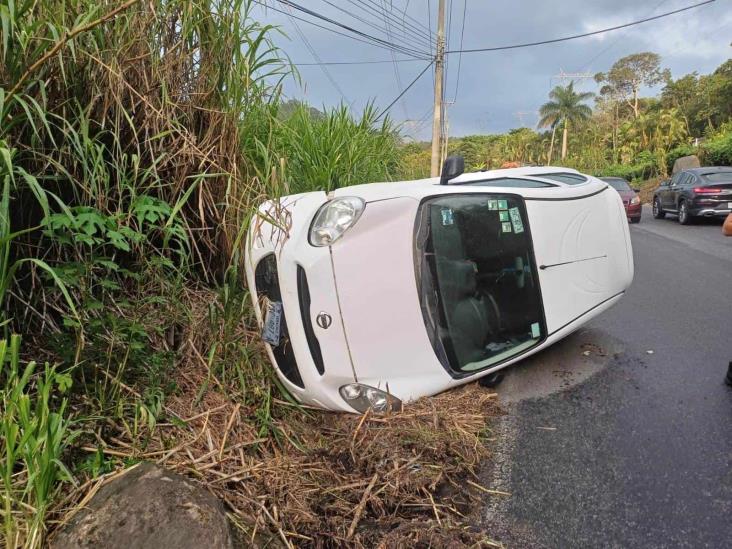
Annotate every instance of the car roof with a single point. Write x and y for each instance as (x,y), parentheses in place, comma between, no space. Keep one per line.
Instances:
(709,169)
(465,183)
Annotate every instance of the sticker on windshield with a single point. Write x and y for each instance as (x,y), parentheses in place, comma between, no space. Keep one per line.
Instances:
(506,227)
(493,204)
(503,215)
(535,331)
(447,217)
(502,205)
(518,225)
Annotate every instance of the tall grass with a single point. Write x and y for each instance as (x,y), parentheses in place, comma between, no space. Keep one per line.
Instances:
(136,140)
(35,432)
(335,149)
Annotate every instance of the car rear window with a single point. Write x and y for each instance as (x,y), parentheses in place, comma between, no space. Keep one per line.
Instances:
(617,183)
(718,177)
(511,182)
(562,177)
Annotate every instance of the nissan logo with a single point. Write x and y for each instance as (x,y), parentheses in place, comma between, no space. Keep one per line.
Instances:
(324,320)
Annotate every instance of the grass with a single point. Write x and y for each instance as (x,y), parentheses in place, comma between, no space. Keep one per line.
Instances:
(144,135)
(35,432)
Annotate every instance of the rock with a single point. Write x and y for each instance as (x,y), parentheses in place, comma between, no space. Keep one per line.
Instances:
(685,163)
(148,507)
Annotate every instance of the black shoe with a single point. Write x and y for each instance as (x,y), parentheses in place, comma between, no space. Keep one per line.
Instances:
(491,380)
(728,379)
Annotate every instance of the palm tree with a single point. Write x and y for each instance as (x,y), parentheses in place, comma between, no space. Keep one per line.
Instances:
(564,108)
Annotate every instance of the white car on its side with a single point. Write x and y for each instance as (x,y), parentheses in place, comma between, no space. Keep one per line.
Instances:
(379,294)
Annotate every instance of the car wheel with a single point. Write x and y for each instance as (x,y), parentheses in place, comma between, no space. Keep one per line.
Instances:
(684,216)
(491,380)
(658,213)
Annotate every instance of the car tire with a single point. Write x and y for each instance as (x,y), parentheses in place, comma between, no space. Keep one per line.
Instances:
(658,212)
(684,215)
(491,380)
(635,219)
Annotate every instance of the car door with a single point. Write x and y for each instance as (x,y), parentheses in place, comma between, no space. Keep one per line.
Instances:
(670,195)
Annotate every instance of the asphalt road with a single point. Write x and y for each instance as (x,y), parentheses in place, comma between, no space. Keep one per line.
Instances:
(621,435)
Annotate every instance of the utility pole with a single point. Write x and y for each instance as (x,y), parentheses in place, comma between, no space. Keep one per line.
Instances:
(437,114)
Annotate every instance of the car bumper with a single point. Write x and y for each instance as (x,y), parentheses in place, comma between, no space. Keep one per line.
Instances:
(295,257)
(633,211)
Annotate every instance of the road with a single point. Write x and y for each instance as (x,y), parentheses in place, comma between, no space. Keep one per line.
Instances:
(621,435)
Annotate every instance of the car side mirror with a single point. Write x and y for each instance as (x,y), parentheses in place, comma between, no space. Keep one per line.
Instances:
(453,167)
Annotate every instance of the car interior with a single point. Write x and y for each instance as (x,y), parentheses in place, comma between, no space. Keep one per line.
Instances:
(480,259)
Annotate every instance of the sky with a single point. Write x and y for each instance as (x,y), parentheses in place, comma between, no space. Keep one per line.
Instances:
(488,92)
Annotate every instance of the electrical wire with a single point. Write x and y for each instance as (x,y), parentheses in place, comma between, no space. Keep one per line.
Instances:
(414,22)
(371,40)
(615,42)
(315,55)
(397,76)
(398,97)
(314,24)
(424,39)
(583,35)
(322,17)
(421,38)
(460,58)
(376,62)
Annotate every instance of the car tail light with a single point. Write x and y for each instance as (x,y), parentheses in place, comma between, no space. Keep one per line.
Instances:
(707,190)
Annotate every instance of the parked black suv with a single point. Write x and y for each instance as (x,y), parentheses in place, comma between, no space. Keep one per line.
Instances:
(694,193)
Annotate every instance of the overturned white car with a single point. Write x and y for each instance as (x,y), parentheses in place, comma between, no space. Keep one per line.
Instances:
(379,294)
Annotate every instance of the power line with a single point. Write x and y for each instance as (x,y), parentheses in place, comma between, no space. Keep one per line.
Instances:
(314,24)
(460,58)
(414,22)
(583,35)
(397,76)
(421,35)
(371,40)
(409,34)
(322,17)
(398,97)
(379,62)
(529,44)
(614,42)
(315,55)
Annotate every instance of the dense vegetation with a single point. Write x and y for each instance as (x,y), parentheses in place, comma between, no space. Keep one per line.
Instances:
(135,140)
(624,135)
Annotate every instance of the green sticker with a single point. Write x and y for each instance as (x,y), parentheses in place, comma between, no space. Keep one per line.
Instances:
(518,224)
(503,215)
(506,227)
(535,331)
(502,205)
(492,204)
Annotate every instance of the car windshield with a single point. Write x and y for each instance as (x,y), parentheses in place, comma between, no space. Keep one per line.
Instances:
(617,183)
(718,177)
(477,279)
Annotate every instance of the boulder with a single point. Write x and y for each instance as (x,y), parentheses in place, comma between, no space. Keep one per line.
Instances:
(148,507)
(685,163)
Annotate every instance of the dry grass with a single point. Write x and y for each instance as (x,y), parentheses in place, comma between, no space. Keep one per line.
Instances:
(303,477)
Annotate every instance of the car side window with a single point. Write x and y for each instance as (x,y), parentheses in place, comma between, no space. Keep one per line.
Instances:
(676,179)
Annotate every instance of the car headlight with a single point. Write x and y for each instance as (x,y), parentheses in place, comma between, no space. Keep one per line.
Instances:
(362,397)
(334,218)
(635,200)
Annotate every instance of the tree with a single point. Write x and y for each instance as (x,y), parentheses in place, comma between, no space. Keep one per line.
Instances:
(628,74)
(565,107)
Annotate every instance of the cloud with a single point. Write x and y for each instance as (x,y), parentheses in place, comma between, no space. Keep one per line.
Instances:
(494,86)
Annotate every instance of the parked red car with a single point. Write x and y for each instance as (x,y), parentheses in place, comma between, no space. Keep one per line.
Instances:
(631,200)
